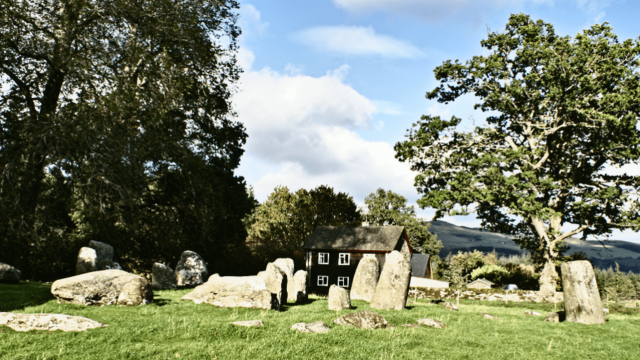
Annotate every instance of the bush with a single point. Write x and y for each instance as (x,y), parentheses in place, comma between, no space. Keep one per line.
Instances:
(493,273)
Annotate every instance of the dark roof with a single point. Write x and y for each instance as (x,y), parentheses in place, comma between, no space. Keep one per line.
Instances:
(419,264)
(364,238)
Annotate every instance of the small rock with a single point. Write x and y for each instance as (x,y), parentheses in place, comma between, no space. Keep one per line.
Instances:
(449,306)
(9,274)
(432,323)
(338,298)
(87,261)
(316,327)
(50,322)
(249,323)
(532,313)
(558,316)
(364,320)
(489,316)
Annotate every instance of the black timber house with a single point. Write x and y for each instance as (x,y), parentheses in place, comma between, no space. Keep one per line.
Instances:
(333,252)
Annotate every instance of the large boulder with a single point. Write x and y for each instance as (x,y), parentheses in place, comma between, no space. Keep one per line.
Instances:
(163,277)
(582,302)
(364,320)
(365,279)
(300,285)
(191,269)
(276,281)
(338,298)
(50,322)
(260,299)
(9,274)
(286,265)
(105,287)
(393,286)
(206,292)
(104,252)
(87,261)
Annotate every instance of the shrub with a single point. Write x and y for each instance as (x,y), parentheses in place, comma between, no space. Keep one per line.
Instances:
(493,273)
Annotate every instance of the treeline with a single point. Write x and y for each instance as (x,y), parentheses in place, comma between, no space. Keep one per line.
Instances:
(615,285)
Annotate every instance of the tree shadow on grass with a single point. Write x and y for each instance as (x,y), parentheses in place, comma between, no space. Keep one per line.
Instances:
(19,296)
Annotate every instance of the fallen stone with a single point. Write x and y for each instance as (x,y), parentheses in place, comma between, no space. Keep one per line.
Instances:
(300,286)
(276,282)
(338,298)
(249,323)
(87,261)
(489,316)
(104,252)
(105,287)
(449,306)
(582,302)
(393,286)
(9,274)
(234,291)
(558,316)
(432,323)
(163,277)
(365,279)
(286,266)
(312,328)
(364,320)
(191,269)
(532,313)
(49,322)
(260,299)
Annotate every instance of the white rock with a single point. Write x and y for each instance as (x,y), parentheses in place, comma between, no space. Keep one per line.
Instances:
(50,322)
(338,298)
(105,287)
(87,261)
(364,320)
(249,323)
(287,267)
(300,285)
(316,327)
(432,323)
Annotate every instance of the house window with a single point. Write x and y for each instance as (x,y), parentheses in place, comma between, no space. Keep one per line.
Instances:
(323,280)
(323,258)
(344,259)
(343,281)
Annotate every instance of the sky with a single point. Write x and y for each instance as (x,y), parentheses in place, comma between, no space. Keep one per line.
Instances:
(330,86)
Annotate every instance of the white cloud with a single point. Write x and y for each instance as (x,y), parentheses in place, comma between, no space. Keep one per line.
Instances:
(356,40)
(250,20)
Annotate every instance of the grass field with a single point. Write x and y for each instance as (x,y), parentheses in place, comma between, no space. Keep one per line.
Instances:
(170,329)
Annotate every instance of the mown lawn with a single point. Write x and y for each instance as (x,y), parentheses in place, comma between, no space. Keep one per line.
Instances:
(171,329)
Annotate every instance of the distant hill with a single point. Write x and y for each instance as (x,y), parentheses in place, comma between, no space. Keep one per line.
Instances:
(459,238)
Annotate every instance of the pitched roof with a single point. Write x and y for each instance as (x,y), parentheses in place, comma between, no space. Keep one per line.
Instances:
(364,238)
(419,264)
(484,281)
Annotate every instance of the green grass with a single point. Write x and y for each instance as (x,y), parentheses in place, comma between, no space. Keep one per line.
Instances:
(170,327)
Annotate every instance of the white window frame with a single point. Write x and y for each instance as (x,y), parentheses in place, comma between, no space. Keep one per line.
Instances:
(344,280)
(323,280)
(341,260)
(321,258)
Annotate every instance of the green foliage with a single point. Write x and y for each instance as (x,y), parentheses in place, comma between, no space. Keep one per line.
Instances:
(494,273)
(281,225)
(116,126)
(389,208)
(615,285)
(563,110)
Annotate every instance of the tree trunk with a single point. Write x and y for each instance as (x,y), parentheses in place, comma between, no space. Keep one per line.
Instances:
(548,278)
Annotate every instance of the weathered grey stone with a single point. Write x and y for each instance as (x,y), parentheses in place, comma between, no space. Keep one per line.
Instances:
(191,269)
(49,322)
(163,277)
(104,252)
(259,299)
(364,320)
(338,298)
(312,328)
(432,323)
(234,291)
(105,287)
(249,323)
(393,286)
(87,261)
(558,316)
(286,265)
(365,279)
(489,316)
(449,306)
(532,313)
(582,302)
(9,274)
(276,282)
(300,285)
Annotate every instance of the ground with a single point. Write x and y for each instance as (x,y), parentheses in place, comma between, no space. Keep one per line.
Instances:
(171,328)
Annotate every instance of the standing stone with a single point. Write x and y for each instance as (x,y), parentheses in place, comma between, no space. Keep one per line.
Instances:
(104,252)
(365,279)
(300,285)
(286,265)
(163,277)
(582,302)
(105,287)
(276,282)
(87,261)
(393,286)
(338,298)
(191,269)
(9,274)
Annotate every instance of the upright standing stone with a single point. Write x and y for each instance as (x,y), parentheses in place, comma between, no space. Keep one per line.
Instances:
(582,302)
(393,286)
(338,298)
(9,274)
(300,285)
(191,269)
(276,282)
(286,265)
(87,261)
(104,252)
(163,277)
(365,279)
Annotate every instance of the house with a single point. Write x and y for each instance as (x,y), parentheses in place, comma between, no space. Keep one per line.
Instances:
(480,284)
(422,273)
(333,252)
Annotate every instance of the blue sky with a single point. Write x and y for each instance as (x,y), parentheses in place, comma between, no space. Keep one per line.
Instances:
(331,85)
